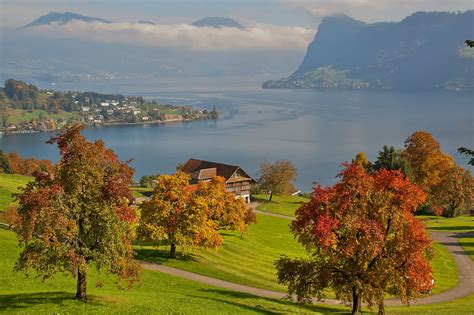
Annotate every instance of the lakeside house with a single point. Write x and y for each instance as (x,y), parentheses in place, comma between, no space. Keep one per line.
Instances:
(237,180)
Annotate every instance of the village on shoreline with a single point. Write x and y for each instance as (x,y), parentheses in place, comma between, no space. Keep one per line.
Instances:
(26,109)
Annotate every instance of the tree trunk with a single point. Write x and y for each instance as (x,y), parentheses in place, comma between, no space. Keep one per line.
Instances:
(271,196)
(173,250)
(356,302)
(81,285)
(381,309)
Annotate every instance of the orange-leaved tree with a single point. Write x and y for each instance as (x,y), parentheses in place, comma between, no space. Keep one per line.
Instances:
(454,191)
(363,240)
(78,215)
(447,184)
(428,163)
(190,215)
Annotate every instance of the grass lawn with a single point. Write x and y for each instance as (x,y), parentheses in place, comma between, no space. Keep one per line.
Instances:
(157,293)
(9,184)
(16,116)
(460,306)
(285,205)
(459,224)
(248,260)
(468,245)
(139,191)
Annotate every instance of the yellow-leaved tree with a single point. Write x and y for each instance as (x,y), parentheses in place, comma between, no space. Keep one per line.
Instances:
(191,215)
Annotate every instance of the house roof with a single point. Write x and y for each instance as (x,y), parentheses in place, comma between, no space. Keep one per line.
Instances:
(206,173)
(200,169)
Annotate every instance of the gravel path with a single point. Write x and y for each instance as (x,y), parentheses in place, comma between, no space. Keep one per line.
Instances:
(449,240)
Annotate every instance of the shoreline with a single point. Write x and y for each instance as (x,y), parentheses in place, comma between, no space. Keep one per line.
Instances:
(106,124)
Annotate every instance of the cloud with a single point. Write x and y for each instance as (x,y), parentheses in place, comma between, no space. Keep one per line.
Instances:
(184,36)
(376,10)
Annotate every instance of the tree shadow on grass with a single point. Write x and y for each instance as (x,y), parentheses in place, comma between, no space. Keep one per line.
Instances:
(451,228)
(265,309)
(20,301)
(160,256)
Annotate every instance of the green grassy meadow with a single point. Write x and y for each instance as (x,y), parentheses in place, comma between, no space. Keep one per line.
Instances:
(245,260)
(468,245)
(285,205)
(16,116)
(9,184)
(460,224)
(157,293)
(249,260)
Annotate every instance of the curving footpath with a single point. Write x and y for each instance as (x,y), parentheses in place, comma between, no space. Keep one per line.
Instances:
(464,264)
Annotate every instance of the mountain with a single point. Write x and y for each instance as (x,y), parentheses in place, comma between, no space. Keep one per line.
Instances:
(217,22)
(62,18)
(51,56)
(424,51)
(146,22)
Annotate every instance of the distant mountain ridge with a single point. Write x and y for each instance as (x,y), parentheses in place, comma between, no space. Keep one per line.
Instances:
(424,51)
(217,22)
(62,18)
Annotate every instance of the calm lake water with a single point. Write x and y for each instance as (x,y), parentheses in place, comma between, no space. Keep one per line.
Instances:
(317,130)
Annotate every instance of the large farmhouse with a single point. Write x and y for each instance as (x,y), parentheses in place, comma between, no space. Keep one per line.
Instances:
(236,180)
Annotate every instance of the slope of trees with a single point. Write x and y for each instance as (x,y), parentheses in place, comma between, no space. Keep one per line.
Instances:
(363,240)
(78,215)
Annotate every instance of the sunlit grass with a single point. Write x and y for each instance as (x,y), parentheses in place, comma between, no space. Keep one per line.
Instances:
(285,205)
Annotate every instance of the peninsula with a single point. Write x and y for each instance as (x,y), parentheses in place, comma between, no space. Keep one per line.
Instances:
(24,108)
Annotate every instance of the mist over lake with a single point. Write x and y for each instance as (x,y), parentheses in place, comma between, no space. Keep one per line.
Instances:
(317,130)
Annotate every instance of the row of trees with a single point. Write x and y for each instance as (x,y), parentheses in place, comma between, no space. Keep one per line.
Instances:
(12,163)
(448,185)
(80,213)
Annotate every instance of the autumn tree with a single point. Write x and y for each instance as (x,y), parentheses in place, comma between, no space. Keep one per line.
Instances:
(427,162)
(454,191)
(79,215)
(362,160)
(28,166)
(277,178)
(224,209)
(363,241)
(190,215)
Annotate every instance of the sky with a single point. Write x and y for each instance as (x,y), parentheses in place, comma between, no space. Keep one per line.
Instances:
(304,13)
(270,25)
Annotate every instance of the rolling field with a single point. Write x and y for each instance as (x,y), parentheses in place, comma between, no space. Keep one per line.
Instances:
(9,184)
(157,293)
(285,205)
(245,260)
(250,260)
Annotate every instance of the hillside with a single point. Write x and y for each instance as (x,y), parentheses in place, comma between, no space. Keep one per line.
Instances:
(25,108)
(423,51)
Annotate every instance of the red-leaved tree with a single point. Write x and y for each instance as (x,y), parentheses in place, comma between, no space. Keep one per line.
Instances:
(363,240)
(78,215)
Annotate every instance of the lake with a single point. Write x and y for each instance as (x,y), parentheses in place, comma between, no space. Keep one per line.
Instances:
(317,130)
